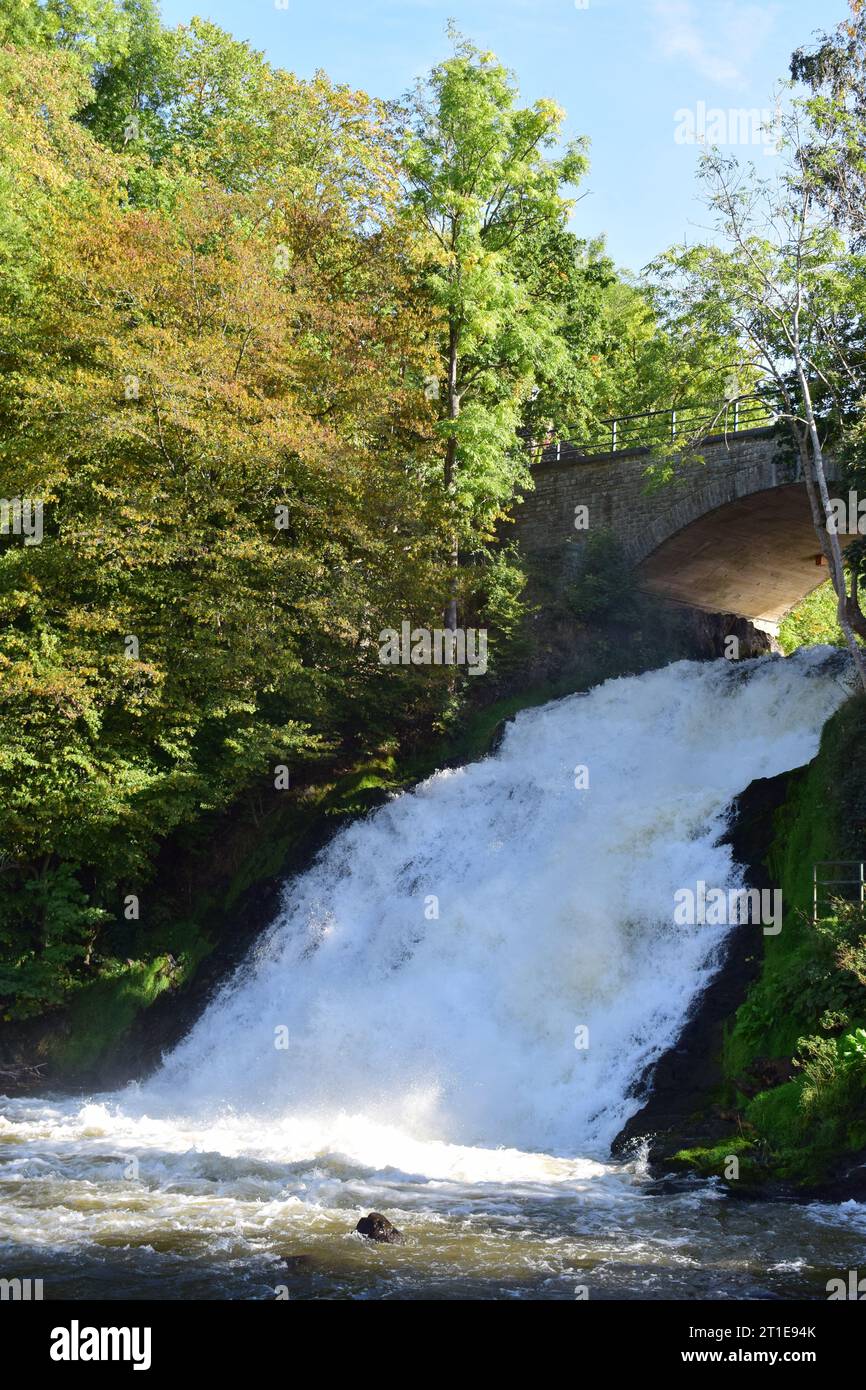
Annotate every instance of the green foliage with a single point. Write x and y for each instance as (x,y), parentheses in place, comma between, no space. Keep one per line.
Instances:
(484,199)
(851,451)
(93,30)
(854,1048)
(809,1122)
(651,358)
(835,71)
(813,622)
(493,596)
(47,929)
(604,586)
(172,383)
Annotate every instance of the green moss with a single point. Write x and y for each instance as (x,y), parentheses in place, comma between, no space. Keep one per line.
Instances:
(777,1115)
(806,993)
(101,1013)
(714,1162)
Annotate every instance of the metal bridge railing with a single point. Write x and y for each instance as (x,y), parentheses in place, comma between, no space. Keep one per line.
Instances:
(855,882)
(658,427)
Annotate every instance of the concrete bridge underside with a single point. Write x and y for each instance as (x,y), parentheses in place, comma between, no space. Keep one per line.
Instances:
(756,557)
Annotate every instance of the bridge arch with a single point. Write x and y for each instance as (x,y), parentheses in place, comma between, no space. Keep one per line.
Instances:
(731,534)
(757,557)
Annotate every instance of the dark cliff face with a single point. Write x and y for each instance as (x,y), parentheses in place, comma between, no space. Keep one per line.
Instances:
(710,633)
(681,1107)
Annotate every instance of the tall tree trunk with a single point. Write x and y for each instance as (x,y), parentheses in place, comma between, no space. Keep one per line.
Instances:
(450,479)
(819,500)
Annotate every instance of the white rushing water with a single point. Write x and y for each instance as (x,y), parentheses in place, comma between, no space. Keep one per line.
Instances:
(406,1030)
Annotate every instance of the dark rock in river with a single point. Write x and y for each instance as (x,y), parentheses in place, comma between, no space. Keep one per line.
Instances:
(378,1227)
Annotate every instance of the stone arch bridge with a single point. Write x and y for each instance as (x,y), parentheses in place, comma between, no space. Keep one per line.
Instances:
(731,534)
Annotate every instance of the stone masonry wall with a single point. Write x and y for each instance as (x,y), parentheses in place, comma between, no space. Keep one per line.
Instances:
(613,487)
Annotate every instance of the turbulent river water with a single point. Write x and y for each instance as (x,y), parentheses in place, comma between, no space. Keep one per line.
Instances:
(407,1037)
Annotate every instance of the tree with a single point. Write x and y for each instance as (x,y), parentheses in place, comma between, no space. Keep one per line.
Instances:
(781,284)
(646,359)
(485,198)
(173,387)
(94,31)
(835,70)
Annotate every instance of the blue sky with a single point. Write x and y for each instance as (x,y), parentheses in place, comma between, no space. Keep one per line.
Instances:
(621,69)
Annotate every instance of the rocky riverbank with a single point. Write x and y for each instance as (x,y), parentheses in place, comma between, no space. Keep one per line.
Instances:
(761,1073)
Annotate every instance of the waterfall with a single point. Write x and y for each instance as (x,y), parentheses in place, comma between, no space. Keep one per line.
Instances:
(491,960)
